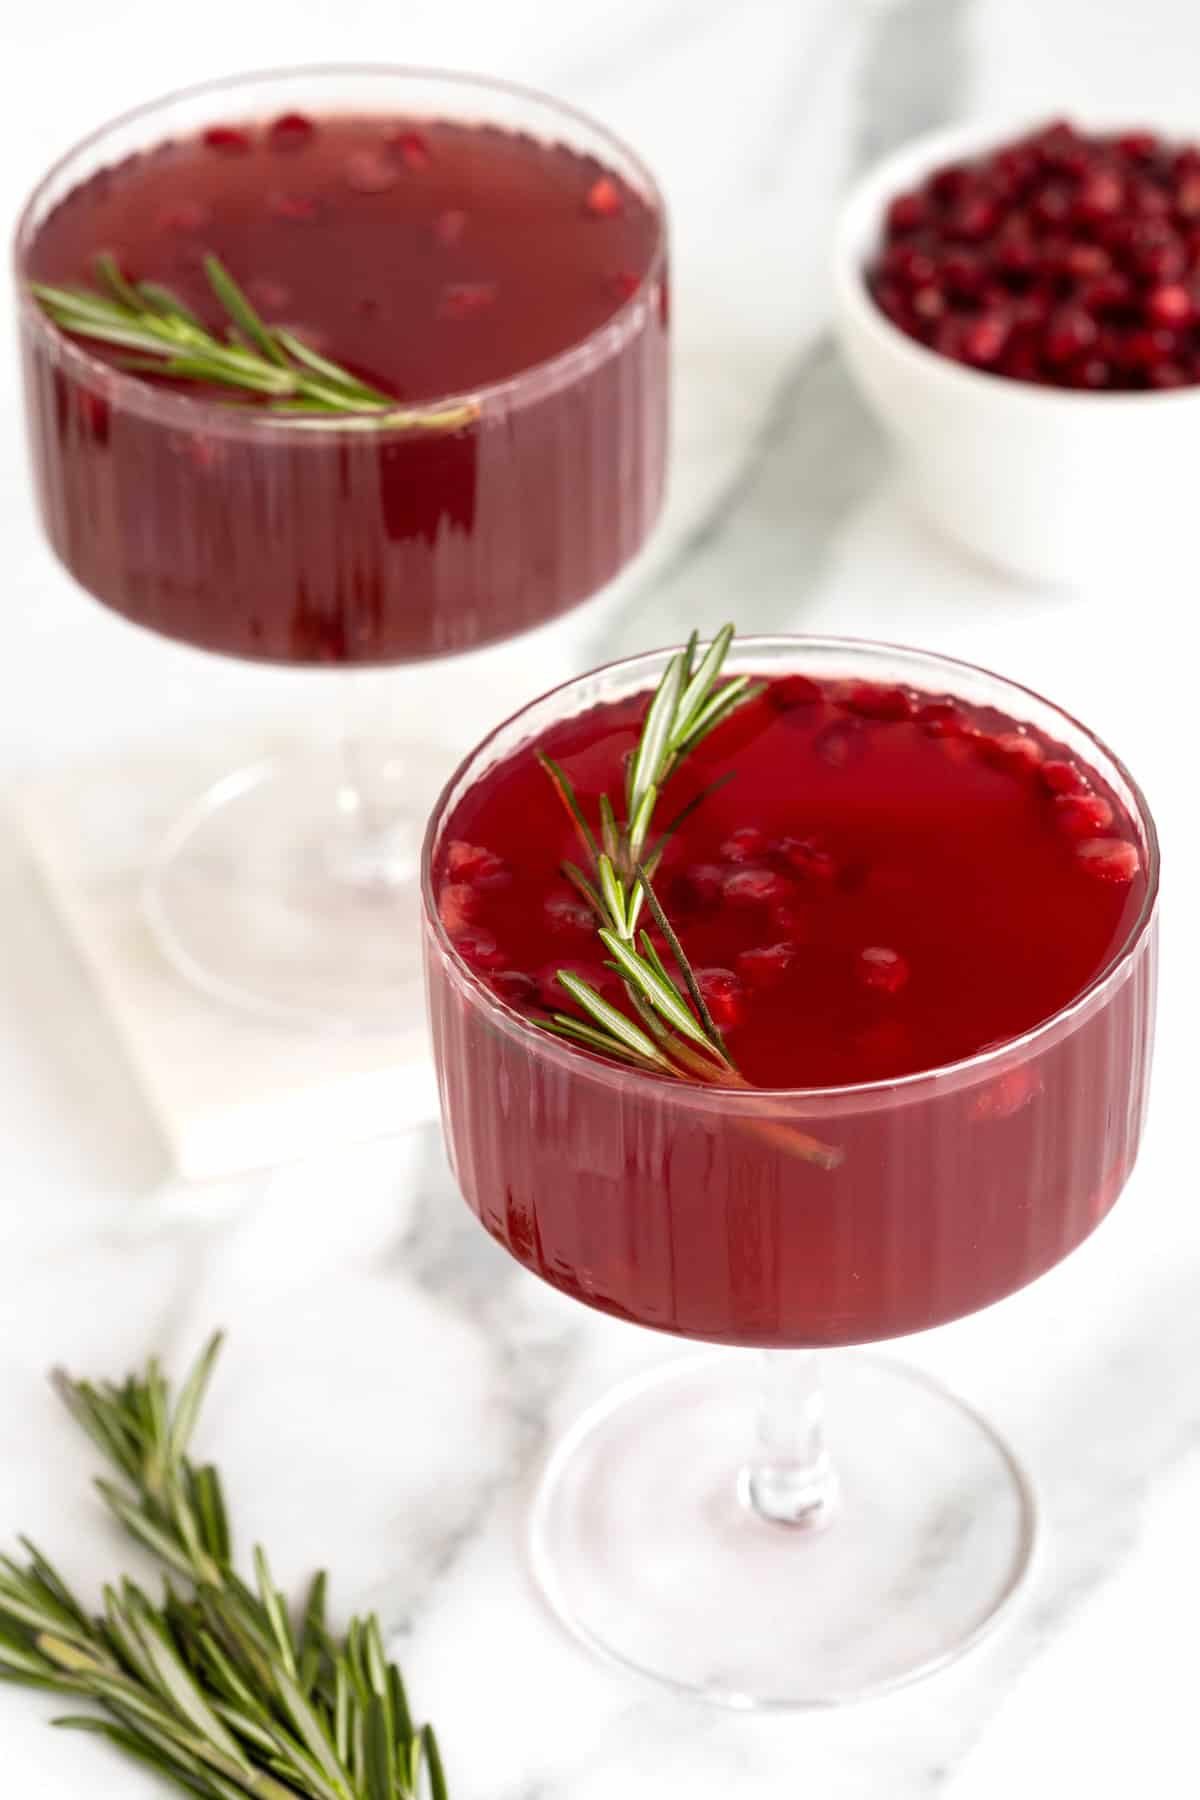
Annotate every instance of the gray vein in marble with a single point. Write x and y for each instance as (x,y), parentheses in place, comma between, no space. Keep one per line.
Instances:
(449,1255)
(763,548)
(914,75)
(815,456)
(608,65)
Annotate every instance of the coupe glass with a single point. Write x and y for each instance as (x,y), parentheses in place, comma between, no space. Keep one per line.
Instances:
(769,1526)
(258,537)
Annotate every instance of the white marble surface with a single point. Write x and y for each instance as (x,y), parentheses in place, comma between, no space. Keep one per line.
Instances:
(390,1379)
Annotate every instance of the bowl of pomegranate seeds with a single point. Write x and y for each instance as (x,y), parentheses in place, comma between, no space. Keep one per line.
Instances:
(1022,310)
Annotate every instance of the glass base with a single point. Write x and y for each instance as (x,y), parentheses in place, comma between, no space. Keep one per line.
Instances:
(649,1550)
(290,888)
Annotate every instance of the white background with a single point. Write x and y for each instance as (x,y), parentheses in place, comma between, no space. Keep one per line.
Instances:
(388,1379)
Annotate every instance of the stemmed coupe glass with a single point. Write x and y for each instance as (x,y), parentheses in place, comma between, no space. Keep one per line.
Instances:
(492,508)
(765,1524)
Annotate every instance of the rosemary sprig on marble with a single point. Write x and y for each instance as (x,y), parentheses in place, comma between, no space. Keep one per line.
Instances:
(164,337)
(217,1687)
(674,1032)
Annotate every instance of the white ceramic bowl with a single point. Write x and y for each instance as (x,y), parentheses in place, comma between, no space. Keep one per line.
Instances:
(1053,484)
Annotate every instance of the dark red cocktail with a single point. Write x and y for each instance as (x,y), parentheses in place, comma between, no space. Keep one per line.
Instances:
(515,260)
(893,882)
(488,258)
(922,913)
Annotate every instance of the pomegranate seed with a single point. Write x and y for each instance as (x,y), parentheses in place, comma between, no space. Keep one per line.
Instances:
(1187,197)
(1100,196)
(907,212)
(723,995)
(1012,750)
(875,701)
(882,969)
(1148,200)
(766,967)
(909,265)
(458,904)
(478,948)
(975,218)
(1007,1095)
(1083,815)
(942,718)
(1161,261)
(1053,205)
(467,299)
(1071,332)
(964,275)
(228,139)
(793,691)
(369,172)
(744,845)
(755,887)
(699,888)
(1109,859)
(840,744)
(1107,293)
(1086,261)
(292,206)
(516,988)
(604,198)
(410,146)
(1168,375)
(1091,372)
(1015,254)
(1143,350)
(1064,778)
(449,226)
(947,183)
(188,215)
(985,338)
(1169,305)
(290,132)
(1021,363)
(471,862)
(1139,146)
(269,296)
(569,915)
(929,303)
(808,860)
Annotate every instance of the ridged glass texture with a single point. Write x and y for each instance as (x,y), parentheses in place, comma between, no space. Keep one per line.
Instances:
(684,1208)
(258,538)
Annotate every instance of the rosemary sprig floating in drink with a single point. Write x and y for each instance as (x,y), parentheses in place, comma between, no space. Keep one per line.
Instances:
(218,1688)
(676,1033)
(166,338)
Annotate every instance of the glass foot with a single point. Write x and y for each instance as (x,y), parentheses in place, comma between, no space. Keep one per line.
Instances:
(646,1544)
(289,889)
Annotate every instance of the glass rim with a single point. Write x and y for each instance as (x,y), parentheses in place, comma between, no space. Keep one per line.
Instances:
(978,1064)
(542,377)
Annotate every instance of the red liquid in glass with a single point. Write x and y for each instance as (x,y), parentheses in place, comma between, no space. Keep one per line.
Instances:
(891,883)
(434,259)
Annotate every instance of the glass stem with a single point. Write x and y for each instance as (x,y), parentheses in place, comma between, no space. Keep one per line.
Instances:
(378,840)
(790,1480)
